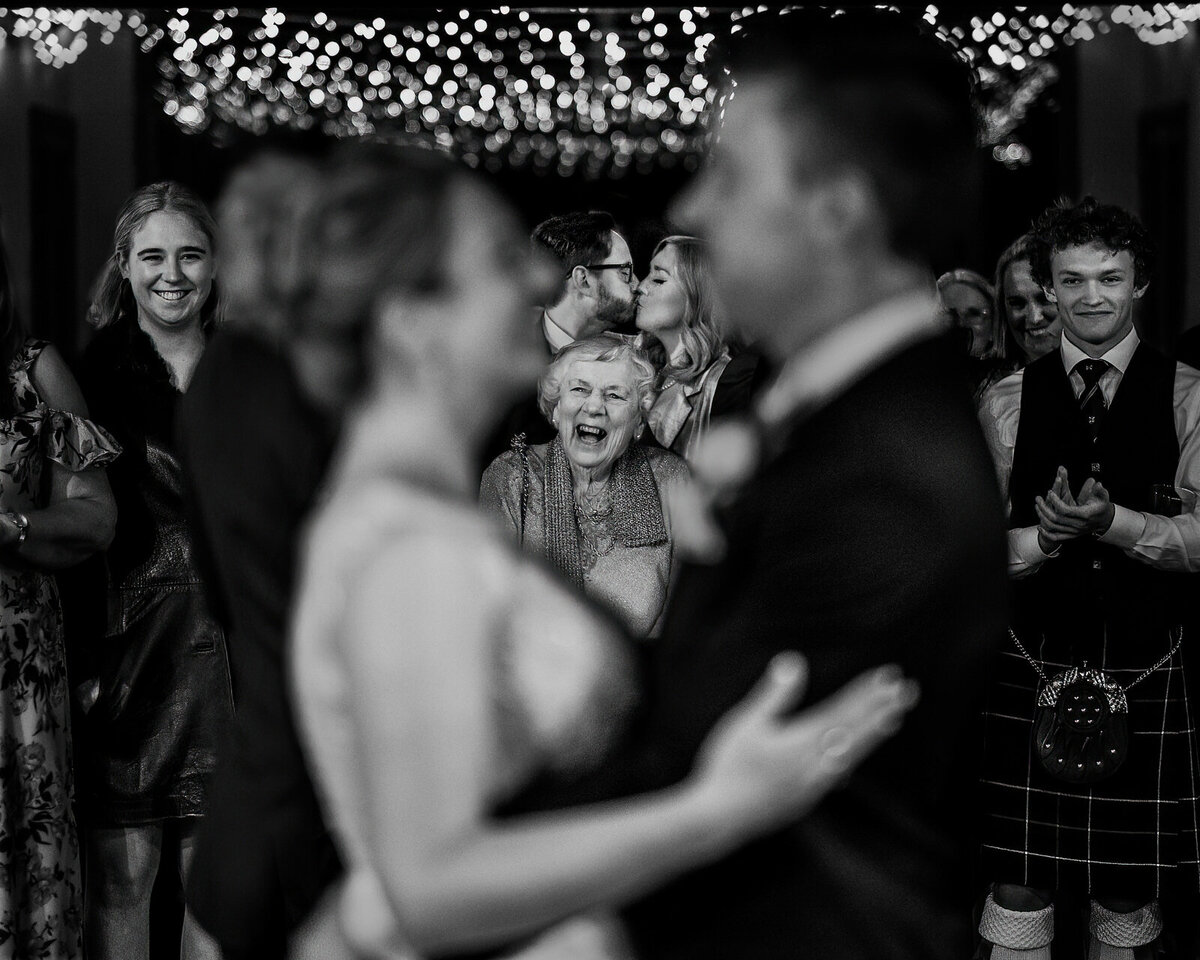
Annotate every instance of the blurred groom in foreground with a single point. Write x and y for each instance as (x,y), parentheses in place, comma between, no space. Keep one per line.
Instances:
(857,510)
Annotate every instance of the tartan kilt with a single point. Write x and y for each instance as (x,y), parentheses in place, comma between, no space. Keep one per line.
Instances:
(1131,835)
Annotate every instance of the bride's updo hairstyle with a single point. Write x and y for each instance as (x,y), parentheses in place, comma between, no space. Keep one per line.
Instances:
(312,249)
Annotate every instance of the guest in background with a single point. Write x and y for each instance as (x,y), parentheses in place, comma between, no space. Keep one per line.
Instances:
(700,379)
(438,669)
(254,449)
(57,509)
(970,305)
(597,291)
(596,294)
(592,499)
(157,704)
(1082,438)
(1031,317)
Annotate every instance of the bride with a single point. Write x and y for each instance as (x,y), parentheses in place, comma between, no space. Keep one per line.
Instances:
(437,670)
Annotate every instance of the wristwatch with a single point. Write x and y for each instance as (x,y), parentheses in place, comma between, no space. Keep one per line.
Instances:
(22,523)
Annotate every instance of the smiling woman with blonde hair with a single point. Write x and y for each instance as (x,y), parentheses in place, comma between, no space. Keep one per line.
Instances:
(157,692)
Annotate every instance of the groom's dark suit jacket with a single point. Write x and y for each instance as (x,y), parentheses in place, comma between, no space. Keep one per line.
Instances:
(876,536)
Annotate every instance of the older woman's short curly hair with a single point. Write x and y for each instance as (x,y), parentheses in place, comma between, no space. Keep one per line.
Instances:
(604,347)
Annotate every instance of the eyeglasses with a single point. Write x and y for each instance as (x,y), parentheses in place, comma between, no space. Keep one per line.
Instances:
(625,268)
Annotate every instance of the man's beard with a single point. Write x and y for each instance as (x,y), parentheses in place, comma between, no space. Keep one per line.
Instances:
(612,313)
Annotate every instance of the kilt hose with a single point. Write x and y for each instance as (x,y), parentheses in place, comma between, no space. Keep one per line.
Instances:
(1132,835)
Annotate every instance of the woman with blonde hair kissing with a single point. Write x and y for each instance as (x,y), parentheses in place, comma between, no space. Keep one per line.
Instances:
(700,378)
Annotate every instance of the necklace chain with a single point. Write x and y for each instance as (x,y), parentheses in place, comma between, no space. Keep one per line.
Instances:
(592,512)
(1129,686)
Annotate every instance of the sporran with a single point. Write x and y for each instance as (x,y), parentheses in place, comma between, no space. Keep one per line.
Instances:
(1081,719)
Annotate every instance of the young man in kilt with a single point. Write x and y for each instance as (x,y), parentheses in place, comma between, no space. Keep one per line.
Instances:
(1098,448)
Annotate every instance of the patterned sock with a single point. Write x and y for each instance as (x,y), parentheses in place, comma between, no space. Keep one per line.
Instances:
(1017,934)
(1114,935)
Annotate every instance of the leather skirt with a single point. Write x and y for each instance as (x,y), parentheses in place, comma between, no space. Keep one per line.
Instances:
(157,710)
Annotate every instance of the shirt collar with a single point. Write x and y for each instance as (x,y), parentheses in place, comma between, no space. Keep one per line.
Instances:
(829,366)
(1119,356)
(555,335)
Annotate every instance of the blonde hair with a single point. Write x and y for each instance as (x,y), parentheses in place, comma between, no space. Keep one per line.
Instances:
(701,335)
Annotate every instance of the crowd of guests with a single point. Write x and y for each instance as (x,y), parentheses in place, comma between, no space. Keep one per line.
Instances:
(396,656)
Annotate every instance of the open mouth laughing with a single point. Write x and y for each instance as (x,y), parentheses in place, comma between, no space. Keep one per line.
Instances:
(589,434)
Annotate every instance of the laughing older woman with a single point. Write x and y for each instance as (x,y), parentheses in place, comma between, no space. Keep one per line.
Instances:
(591,500)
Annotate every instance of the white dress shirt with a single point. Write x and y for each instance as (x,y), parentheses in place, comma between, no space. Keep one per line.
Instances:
(556,336)
(1166,543)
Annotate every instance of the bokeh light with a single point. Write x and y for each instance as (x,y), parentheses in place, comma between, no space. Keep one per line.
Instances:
(589,91)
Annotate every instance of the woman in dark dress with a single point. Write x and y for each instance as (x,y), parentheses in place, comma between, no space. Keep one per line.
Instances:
(701,376)
(160,693)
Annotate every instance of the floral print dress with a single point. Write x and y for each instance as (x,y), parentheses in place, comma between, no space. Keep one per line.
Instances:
(41,894)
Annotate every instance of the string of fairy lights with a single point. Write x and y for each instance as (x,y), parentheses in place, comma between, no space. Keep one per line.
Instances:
(593,91)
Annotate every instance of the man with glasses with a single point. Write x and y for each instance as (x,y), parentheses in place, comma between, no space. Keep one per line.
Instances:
(597,291)
(596,294)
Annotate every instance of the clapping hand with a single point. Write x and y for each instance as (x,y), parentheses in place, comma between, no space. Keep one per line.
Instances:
(1063,517)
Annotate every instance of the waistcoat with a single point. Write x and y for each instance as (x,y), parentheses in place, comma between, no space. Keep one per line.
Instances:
(1092,590)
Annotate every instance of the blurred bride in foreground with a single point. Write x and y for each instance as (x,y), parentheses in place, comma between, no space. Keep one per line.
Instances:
(438,670)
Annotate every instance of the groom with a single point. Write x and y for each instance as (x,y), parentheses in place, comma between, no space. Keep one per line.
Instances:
(869,529)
